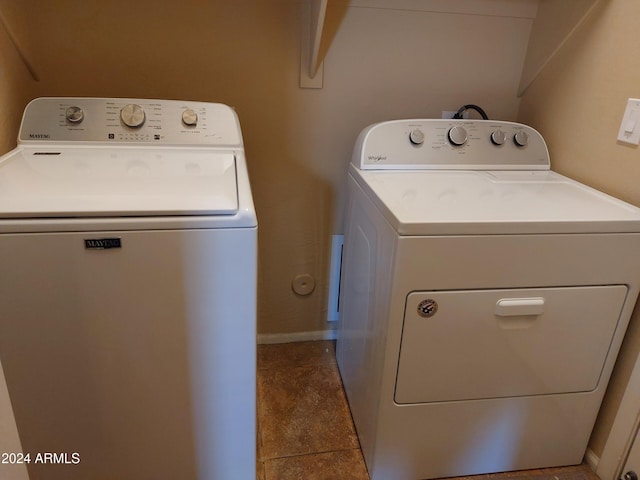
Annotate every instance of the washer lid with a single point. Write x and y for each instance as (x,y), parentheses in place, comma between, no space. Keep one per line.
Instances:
(116,182)
(493,202)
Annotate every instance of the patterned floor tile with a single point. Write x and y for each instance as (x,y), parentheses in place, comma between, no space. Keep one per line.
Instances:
(303,410)
(296,354)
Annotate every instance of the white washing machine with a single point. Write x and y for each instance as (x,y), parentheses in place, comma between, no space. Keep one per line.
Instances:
(128,290)
(483,300)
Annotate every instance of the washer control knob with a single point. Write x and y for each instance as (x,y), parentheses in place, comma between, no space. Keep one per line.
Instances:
(521,138)
(132,115)
(416,137)
(74,115)
(498,137)
(189,118)
(457,136)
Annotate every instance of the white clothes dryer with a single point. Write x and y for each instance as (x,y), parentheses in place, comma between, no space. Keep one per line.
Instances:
(128,290)
(483,300)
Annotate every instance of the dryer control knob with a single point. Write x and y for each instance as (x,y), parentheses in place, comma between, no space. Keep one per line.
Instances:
(457,136)
(416,137)
(521,138)
(74,115)
(189,118)
(132,115)
(498,137)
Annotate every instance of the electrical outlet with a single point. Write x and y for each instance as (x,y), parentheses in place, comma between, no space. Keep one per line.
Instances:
(448,114)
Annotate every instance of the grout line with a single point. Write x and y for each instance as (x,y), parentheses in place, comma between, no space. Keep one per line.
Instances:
(278,367)
(312,453)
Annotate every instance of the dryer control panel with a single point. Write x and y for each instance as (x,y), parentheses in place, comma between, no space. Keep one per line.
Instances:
(129,121)
(431,144)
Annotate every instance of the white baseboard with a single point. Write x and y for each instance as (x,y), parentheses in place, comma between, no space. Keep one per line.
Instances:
(268,338)
(592,459)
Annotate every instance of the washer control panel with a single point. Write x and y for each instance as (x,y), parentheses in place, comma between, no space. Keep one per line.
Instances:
(129,121)
(449,145)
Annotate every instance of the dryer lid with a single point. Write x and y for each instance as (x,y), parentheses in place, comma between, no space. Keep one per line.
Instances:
(493,202)
(50,182)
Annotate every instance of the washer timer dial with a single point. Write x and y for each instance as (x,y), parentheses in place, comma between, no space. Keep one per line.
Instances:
(189,118)
(74,115)
(132,115)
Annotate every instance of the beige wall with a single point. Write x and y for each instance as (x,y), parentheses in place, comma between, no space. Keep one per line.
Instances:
(16,89)
(577,103)
(555,22)
(381,64)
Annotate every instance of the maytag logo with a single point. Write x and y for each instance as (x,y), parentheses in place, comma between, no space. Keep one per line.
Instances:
(102,243)
(39,136)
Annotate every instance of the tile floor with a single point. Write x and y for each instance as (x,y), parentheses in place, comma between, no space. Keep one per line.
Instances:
(305,431)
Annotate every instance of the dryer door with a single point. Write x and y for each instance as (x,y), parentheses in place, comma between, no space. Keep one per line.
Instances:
(476,344)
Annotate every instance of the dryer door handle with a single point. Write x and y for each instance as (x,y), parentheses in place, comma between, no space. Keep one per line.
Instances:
(518,307)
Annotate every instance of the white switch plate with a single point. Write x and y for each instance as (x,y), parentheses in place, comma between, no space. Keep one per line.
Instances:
(630,127)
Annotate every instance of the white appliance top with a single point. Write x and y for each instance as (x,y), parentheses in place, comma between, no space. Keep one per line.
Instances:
(93,182)
(482,186)
(96,158)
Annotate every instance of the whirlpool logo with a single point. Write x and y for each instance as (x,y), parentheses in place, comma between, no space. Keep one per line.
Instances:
(102,243)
